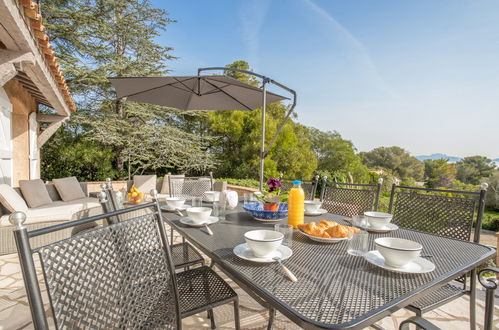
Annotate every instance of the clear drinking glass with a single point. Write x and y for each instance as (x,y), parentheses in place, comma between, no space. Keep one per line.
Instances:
(359,221)
(197,201)
(287,231)
(358,243)
(249,197)
(219,210)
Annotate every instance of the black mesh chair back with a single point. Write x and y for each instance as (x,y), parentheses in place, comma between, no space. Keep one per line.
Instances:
(117,276)
(190,187)
(446,213)
(350,199)
(308,186)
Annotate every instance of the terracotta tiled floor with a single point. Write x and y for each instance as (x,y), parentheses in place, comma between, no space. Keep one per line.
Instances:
(15,314)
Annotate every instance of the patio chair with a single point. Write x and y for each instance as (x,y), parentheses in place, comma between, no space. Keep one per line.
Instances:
(490,286)
(118,276)
(309,186)
(184,254)
(441,212)
(350,199)
(188,187)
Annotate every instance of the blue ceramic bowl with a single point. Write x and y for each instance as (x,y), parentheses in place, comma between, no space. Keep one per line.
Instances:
(256,210)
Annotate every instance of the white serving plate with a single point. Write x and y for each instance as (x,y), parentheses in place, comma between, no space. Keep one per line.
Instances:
(188,221)
(243,251)
(318,212)
(324,240)
(385,229)
(417,266)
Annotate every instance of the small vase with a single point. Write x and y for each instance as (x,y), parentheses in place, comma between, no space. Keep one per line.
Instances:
(271,206)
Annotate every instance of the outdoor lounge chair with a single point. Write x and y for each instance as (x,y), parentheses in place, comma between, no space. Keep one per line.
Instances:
(308,186)
(446,213)
(350,199)
(116,276)
(184,254)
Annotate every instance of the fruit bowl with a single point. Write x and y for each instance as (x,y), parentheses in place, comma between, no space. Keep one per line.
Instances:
(256,210)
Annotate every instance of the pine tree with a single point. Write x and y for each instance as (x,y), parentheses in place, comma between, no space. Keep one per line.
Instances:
(97,39)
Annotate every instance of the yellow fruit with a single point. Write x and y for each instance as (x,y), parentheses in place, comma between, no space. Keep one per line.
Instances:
(141,195)
(134,194)
(138,201)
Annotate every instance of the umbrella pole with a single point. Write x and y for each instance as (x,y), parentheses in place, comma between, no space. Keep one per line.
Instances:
(262,148)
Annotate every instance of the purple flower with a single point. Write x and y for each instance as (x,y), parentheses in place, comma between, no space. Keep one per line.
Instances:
(273,184)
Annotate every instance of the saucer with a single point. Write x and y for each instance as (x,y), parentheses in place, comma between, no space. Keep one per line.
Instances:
(243,251)
(318,212)
(208,201)
(417,266)
(387,228)
(166,208)
(187,221)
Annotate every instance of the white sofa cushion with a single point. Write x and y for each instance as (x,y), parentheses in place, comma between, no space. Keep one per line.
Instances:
(69,188)
(165,188)
(34,192)
(11,199)
(144,183)
(56,211)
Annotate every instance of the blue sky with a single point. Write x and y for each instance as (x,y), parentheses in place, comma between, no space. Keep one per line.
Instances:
(423,75)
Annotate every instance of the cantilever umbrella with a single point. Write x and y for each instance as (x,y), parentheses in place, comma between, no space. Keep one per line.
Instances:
(211,92)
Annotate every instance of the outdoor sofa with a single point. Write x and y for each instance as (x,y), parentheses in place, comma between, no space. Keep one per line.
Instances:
(54,210)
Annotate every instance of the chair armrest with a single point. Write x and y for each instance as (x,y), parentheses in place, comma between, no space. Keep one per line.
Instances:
(489,283)
(419,322)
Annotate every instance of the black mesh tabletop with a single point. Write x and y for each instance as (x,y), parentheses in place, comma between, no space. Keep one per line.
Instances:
(334,289)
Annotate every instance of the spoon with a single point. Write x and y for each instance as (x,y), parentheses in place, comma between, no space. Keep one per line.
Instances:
(286,270)
(179,213)
(208,229)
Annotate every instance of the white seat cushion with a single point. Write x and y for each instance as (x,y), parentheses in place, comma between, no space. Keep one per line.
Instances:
(145,183)
(69,188)
(11,199)
(56,211)
(34,192)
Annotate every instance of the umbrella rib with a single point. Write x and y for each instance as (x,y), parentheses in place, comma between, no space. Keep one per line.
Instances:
(245,85)
(232,97)
(161,86)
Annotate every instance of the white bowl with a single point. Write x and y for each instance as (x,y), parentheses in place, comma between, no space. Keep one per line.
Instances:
(398,252)
(263,242)
(199,214)
(312,206)
(212,196)
(175,202)
(378,220)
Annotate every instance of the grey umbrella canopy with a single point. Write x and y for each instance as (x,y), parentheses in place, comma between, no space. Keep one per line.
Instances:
(209,92)
(215,92)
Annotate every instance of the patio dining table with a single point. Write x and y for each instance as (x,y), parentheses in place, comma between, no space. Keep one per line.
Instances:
(335,290)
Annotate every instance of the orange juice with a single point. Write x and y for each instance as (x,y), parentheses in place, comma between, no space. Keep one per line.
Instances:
(296,205)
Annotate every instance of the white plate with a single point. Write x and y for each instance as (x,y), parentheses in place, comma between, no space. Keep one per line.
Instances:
(243,251)
(387,228)
(187,221)
(208,201)
(318,212)
(324,240)
(417,266)
(166,208)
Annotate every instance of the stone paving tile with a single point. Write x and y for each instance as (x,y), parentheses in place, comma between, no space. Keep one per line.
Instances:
(15,313)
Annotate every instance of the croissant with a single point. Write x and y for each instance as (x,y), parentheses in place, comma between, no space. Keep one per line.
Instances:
(338,231)
(307,227)
(328,223)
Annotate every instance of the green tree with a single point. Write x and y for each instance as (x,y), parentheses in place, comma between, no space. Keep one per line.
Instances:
(68,154)
(238,134)
(395,159)
(473,169)
(97,39)
(337,156)
(439,173)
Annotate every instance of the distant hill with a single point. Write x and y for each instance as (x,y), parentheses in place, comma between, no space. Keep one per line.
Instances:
(452,159)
